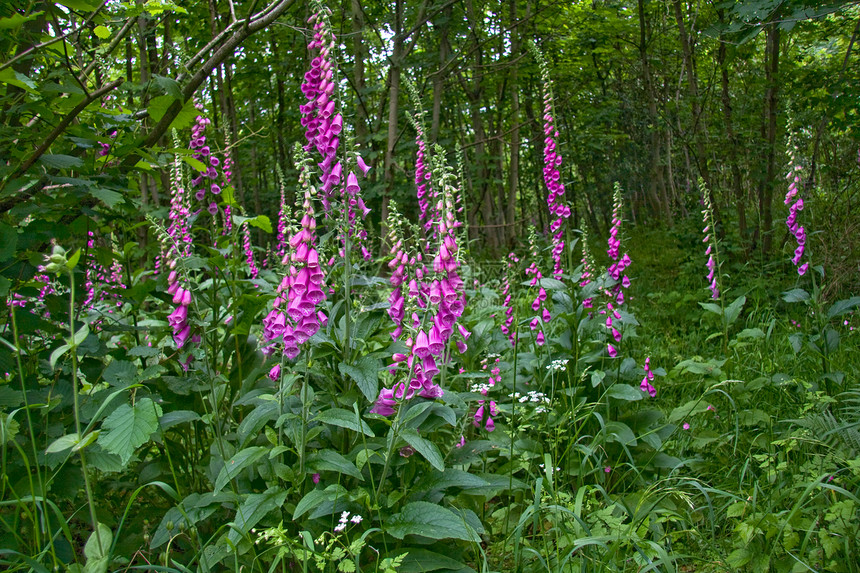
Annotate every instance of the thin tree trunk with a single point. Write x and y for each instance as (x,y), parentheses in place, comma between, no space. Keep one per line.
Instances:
(514,167)
(737,185)
(771,101)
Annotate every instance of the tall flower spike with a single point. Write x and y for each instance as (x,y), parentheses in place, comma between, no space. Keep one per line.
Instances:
(295,316)
(552,161)
(616,271)
(793,198)
(714,277)
(434,296)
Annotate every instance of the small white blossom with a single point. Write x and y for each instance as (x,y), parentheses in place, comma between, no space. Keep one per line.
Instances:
(356,519)
(339,527)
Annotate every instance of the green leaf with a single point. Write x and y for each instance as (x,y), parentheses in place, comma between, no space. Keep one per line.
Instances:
(421,560)
(8,242)
(107,196)
(261,222)
(145,351)
(158,106)
(424,447)
(253,509)
(344,419)
(620,432)
(365,373)
(129,427)
(315,497)
(61,161)
(97,549)
(17,20)
(102,32)
(169,86)
(195,164)
(795,295)
(236,464)
(120,373)
(691,408)
(78,5)
(711,307)
(625,392)
(56,354)
(429,520)
(734,310)
(330,460)
(839,307)
(63,443)
(451,477)
(177,417)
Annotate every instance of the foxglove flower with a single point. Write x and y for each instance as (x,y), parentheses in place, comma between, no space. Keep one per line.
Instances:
(792,198)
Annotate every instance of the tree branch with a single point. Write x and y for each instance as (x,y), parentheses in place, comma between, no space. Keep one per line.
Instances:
(60,127)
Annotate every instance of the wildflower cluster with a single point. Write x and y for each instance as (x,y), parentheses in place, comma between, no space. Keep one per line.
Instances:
(792,197)
(99,281)
(322,125)
(345,519)
(711,240)
(436,292)
(538,303)
(491,409)
(541,400)
(552,161)
(616,273)
(588,268)
(177,246)
(646,385)
(294,317)
(512,261)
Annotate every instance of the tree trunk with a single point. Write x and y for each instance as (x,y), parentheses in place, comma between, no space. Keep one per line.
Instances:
(766,189)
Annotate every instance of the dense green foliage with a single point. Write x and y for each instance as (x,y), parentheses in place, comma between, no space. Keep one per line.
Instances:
(157,211)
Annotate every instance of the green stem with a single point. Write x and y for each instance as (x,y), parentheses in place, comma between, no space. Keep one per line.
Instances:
(76,400)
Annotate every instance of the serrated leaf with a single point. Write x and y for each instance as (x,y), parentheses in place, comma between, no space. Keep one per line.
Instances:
(107,196)
(330,460)
(158,106)
(423,560)
(424,447)
(429,520)
(344,419)
(261,222)
(120,373)
(102,32)
(169,86)
(144,351)
(129,427)
(236,464)
(625,392)
(365,373)
(59,161)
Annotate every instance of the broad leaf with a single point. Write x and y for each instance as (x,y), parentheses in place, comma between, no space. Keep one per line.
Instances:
(430,520)
(344,419)
(97,549)
(129,427)
(236,464)
(625,392)
(330,460)
(424,447)
(365,373)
